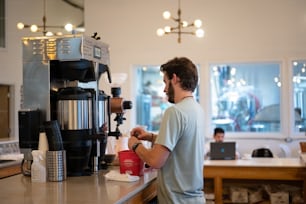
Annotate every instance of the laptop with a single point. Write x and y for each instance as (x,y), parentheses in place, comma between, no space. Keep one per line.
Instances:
(222,150)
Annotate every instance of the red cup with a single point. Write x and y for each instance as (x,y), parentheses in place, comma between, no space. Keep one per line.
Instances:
(130,163)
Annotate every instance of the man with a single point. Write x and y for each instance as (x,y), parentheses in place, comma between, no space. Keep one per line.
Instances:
(219,134)
(178,150)
(219,137)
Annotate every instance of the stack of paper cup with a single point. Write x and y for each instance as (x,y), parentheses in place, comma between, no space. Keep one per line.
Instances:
(43,142)
(43,146)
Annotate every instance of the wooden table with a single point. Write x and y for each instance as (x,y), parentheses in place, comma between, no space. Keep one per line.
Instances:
(277,169)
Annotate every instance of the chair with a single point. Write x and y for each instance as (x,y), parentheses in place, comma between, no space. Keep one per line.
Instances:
(262,152)
(303,147)
(285,150)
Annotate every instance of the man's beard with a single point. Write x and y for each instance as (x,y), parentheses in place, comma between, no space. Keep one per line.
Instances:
(170,93)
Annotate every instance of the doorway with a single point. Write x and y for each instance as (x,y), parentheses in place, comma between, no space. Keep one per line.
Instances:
(4,111)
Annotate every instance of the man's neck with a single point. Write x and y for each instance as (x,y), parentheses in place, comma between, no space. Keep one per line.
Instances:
(182,96)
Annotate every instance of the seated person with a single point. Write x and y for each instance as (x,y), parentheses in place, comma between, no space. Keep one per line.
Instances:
(218,137)
(219,134)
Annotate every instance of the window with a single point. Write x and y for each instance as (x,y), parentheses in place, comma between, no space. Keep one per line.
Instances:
(299,94)
(151,101)
(245,97)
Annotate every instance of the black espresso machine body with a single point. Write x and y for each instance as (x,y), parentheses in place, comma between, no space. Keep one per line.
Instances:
(61,81)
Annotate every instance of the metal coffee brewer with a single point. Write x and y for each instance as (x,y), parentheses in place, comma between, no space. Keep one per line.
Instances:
(61,80)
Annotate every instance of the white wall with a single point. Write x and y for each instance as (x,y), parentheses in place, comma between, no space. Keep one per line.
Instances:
(236,31)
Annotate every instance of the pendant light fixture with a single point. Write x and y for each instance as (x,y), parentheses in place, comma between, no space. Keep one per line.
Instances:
(43,28)
(182,27)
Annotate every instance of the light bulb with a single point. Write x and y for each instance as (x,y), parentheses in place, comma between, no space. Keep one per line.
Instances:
(184,23)
(20,26)
(197,23)
(200,33)
(34,28)
(49,33)
(167,15)
(68,27)
(160,32)
(167,29)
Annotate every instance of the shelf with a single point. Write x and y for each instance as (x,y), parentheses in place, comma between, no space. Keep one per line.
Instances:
(219,176)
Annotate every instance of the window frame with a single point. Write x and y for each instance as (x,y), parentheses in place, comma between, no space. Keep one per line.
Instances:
(284,123)
(2,24)
(135,87)
(295,134)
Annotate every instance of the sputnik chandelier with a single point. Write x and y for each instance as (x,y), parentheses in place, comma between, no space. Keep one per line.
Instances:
(181,25)
(43,28)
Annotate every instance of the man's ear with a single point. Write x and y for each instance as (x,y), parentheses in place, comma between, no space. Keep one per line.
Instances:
(175,79)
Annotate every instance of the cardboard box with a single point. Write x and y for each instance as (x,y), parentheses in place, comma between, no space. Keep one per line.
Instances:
(255,196)
(239,195)
(209,196)
(279,198)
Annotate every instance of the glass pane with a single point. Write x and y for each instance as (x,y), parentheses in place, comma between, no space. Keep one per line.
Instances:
(245,97)
(151,101)
(299,94)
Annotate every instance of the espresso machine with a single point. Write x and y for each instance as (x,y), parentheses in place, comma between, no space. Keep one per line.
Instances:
(61,82)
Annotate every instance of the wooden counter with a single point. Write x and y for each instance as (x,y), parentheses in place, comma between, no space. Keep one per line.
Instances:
(78,190)
(277,169)
(10,168)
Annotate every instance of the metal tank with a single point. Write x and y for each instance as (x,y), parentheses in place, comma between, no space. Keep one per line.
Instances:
(74,109)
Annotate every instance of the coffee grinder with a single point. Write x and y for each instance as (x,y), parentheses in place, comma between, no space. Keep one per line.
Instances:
(118,104)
